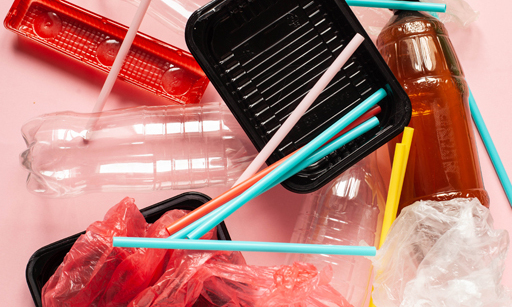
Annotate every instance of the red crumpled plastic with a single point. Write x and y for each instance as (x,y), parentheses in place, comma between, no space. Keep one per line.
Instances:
(86,270)
(94,273)
(143,268)
(222,279)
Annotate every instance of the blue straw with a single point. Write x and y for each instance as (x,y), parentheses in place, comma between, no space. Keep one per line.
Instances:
(245,246)
(319,154)
(400,5)
(287,166)
(489,145)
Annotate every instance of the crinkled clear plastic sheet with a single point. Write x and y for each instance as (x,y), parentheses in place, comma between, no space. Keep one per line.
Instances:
(173,13)
(442,254)
(374,19)
(457,11)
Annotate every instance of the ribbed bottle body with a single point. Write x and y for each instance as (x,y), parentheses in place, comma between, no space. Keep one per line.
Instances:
(138,149)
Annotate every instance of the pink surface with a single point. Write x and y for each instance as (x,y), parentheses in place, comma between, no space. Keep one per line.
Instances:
(34,81)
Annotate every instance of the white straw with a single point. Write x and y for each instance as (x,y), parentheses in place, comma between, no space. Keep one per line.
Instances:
(303,106)
(118,63)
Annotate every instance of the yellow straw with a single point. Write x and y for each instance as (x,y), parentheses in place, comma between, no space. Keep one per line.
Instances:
(395,184)
(393,192)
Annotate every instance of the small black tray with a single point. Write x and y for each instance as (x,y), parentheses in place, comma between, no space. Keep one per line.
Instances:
(263,56)
(45,260)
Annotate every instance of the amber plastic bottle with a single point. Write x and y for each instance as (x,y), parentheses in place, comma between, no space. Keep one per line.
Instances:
(443,162)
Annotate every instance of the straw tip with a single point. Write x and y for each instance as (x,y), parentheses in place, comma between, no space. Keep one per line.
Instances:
(358,38)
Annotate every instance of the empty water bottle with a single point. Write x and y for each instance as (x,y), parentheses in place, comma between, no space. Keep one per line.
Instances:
(137,149)
(347,211)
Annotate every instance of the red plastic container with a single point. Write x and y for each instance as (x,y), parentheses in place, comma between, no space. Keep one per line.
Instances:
(88,37)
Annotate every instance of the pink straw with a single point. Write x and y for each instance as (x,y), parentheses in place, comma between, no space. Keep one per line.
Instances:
(118,63)
(303,106)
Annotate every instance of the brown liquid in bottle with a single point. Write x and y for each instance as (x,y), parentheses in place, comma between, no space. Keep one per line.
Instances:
(443,162)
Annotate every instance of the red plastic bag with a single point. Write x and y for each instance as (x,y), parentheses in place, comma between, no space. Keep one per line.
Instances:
(222,279)
(83,275)
(141,269)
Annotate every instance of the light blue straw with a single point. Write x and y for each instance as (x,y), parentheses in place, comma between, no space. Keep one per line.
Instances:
(331,147)
(317,155)
(245,246)
(400,5)
(287,166)
(489,145)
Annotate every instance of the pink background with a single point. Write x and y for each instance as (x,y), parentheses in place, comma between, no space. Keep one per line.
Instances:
(34,81)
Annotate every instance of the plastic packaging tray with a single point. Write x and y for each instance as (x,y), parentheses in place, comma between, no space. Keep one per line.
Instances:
(45,260)
(95,40)
(263,56)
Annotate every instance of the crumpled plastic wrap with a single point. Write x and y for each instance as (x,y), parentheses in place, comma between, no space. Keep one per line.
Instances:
(374,19)
(222,279)
(94,273)
(86,270)
(457,11)
(442,254)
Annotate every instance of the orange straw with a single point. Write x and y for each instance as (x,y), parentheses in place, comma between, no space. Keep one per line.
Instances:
(240,188)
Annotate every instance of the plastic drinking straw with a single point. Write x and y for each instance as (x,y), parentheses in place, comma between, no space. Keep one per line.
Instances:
(489,145)
(244,246)
(400,5)
(303,106)
(237,190)
(329,148)
(396,182)
(400,160)
(286,166)
(118,64)
(393,191)
(338,143)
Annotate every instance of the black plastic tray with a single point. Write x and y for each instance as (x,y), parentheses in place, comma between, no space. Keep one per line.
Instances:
(45,260)
(263,56)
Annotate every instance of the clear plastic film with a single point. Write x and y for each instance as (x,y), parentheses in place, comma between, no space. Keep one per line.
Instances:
(137,149)
(173,13)
(442,254)
(374,19)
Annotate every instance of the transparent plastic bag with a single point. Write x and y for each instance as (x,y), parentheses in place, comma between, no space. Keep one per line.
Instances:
(458,11)
(374,19)
(442,254)
(173,13)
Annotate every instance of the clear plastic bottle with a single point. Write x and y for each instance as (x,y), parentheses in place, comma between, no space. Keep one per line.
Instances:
(443,161)
(137,149)
(347,211)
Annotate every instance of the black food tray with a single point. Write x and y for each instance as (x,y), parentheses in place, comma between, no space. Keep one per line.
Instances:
(263,56)
(46,260)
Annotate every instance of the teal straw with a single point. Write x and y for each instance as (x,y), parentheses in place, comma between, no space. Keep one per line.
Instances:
(489,145)
(287,166)
(400,5)
(319,154)
(349,136)
(244,246)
